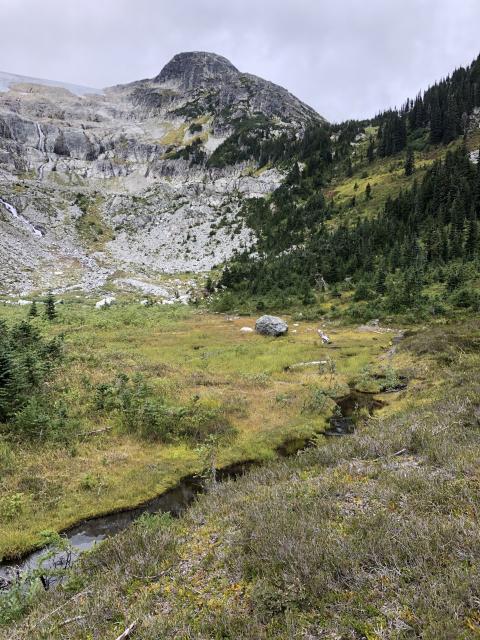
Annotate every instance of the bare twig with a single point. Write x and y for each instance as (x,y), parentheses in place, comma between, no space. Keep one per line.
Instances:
(74,597)
(128,631)
(391,455)
(70,620)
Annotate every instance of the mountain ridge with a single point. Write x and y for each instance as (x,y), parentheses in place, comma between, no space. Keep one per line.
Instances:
(160,172)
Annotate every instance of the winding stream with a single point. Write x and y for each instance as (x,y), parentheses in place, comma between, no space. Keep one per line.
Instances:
(88,533)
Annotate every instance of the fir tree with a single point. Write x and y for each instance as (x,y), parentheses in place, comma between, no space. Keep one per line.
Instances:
(368,192)
(371,151)
(209,285)
(33,311)
(450,127)
(436,127)
(409,162)
(50,309)
(349,168)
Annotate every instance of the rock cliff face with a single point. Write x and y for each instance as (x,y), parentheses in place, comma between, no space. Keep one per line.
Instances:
(135,181)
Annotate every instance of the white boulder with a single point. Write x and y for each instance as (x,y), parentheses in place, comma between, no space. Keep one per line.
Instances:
(105,302)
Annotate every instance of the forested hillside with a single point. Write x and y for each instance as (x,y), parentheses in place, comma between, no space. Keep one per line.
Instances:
(410,244)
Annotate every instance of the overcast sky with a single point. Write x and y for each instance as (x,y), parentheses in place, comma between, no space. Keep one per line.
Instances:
(346,58)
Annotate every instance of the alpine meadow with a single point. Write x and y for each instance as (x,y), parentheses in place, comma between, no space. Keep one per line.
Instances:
(239,355)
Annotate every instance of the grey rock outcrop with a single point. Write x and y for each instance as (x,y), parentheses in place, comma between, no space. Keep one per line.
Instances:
(119,179)
(195,69)
(271,326)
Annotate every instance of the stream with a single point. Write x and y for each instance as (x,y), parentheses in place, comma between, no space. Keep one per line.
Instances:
(88,533)
(11,209)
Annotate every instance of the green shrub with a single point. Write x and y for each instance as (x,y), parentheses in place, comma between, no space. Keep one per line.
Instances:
(41,418)
(465,298)
(146,412)
(195,127)
(27,361)
(11,506)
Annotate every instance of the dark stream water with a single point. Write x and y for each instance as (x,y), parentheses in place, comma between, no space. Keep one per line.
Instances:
(87,534)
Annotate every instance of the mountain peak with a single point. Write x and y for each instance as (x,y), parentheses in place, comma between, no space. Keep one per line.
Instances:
(192,69)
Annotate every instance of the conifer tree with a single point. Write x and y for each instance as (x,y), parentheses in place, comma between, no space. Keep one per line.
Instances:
(50,310)
(450,128)
(477,186)
(349,168)
(33,311)
(409,162)
(371,151)
(436,128)
(368,192)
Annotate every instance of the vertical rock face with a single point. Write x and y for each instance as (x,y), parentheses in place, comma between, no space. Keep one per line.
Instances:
(146,178)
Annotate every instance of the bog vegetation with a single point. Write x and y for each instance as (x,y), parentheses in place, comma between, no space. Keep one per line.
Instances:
(102,410)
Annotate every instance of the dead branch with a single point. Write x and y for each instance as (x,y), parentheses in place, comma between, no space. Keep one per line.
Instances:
(128,631)
(70,620)
(74,597)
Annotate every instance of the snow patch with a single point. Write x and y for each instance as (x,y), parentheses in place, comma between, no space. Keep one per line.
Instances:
(9,79)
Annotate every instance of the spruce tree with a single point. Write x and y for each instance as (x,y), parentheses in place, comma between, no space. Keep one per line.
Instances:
(450,128)
(50,310)
(436,127)
(409,162)
(368,192)
(477,186)
(349,168)
(371,151)
(33,311)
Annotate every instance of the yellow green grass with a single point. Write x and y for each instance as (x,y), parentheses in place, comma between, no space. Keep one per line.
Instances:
(386,177)
(347,538)
(174,136)
(182,354)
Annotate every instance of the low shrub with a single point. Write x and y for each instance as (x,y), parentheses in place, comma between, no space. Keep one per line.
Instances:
(27,364)
(147,413)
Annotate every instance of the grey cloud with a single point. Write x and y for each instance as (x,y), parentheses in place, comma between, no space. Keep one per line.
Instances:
(348,58)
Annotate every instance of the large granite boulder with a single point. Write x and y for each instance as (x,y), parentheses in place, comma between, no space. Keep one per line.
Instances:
(271,326)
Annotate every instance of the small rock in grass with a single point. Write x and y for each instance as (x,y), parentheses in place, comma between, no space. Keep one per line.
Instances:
(105,302)
(323,336)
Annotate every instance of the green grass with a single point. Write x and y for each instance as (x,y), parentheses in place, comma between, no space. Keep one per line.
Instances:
(374,536)
(182,354)
(91,227)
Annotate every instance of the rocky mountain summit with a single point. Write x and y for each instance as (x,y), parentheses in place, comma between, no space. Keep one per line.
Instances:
(133,182)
